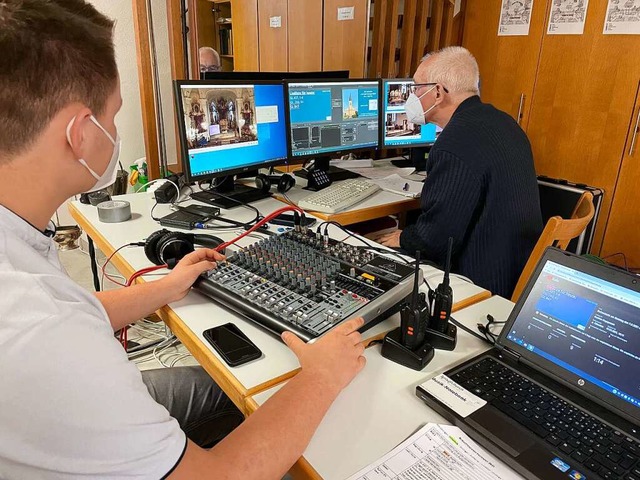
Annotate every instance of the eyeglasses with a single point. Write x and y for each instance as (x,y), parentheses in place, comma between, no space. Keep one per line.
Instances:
(210,68)
(416,86)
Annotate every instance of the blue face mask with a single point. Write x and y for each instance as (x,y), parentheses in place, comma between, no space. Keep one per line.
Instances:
(111,172)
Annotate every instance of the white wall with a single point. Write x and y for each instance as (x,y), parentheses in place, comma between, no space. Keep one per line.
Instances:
(129,119)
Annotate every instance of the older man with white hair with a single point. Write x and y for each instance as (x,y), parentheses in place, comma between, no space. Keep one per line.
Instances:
(209,60)
(481,184)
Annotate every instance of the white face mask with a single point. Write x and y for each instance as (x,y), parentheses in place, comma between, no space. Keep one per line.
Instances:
(413,107)
(111,172)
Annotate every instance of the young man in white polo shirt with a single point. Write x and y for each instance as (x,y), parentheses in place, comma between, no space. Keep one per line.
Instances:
(71,404)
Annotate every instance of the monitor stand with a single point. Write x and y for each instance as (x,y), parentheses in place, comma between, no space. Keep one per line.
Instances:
(227,194)
(335,173)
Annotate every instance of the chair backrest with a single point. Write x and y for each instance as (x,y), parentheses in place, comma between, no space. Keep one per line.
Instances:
(557,232)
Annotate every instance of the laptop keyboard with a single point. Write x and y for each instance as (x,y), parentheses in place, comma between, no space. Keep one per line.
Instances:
(597,446)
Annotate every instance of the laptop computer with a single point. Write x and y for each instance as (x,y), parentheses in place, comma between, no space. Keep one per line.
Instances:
(558,397)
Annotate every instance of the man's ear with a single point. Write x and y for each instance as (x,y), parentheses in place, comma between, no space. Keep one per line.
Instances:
(76,131)
(439,94)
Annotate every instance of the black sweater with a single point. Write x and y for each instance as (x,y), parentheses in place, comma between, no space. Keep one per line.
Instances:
(481,190)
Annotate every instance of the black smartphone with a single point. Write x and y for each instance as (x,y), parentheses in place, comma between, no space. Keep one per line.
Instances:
(232,345)
(286,219)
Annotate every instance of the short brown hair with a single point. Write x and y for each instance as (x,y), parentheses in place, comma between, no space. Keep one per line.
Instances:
(53,53)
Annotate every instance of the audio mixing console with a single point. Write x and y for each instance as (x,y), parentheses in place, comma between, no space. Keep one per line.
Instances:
(307,283)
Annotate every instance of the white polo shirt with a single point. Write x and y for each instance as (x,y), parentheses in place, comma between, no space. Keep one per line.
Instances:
(71,404)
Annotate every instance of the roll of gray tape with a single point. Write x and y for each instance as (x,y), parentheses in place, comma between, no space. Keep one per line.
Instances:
(114,211)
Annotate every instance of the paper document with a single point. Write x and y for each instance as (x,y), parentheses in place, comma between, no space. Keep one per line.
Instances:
(356,163)
(623,18)
(437,452)
(379,170)
(567,17)
(515,17)
(402,186)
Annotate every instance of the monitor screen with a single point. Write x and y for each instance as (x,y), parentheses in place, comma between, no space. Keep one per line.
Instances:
(330,117)
(587,326)
(230,127)
(398,132)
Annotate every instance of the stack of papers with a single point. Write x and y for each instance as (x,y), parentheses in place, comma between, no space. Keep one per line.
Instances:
(437,452)
(354,163)
(402,186)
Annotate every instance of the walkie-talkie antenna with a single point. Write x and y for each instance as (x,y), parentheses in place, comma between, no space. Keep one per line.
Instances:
(447,266)
(416,283)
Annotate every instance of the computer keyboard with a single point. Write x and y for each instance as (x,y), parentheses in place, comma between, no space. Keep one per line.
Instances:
(339,196)
(597,446)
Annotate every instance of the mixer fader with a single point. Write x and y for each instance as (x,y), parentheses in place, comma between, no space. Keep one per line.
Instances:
(307,283)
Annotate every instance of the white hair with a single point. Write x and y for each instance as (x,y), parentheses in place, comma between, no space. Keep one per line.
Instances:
(455,68)
(215,54)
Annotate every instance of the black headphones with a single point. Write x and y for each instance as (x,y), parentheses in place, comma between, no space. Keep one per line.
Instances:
(165,247)
(285,182)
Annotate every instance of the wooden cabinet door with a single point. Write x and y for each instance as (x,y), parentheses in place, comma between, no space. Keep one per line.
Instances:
(584,95)
(508,64)
(244,14)
(623,227)
(305,36)
(346,24)
(272,27)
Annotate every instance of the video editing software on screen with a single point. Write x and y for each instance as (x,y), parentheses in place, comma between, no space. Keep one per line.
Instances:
(333,116)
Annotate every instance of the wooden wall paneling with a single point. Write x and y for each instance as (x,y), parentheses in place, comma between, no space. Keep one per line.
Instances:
(390,39)
(192,18)
(420,29)
(458,25)
(435,24)
(147,95)
(622,230)
(206,24)
(378,40)
(407,38)
(177,60)
(176,44)
(345,41)
(305,35)
(446,36)
(273,43)
(508,65)
(584,94)
(244,14)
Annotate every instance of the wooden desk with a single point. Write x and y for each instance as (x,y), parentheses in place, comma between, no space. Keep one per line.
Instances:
(379,409)
(195,313)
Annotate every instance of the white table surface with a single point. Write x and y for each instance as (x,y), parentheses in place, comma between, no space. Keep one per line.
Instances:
(199,313)
(379,409)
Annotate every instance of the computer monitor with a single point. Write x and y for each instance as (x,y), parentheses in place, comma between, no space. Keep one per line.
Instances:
(397,131)
(332,117)
(229,127)
(275,76)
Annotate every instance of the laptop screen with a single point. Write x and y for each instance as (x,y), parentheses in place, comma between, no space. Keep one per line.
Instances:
(585,325)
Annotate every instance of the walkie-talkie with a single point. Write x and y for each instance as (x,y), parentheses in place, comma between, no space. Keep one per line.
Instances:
(442,298)
(415,315)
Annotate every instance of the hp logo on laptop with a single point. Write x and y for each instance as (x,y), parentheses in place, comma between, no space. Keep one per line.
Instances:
(581,382)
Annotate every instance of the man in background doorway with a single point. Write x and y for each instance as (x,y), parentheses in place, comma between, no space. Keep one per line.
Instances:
(209,60)
(481,186)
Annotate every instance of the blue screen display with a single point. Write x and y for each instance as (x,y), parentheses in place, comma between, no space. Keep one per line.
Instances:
(231,127)
(585,325)
(398,131)
(333,116)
